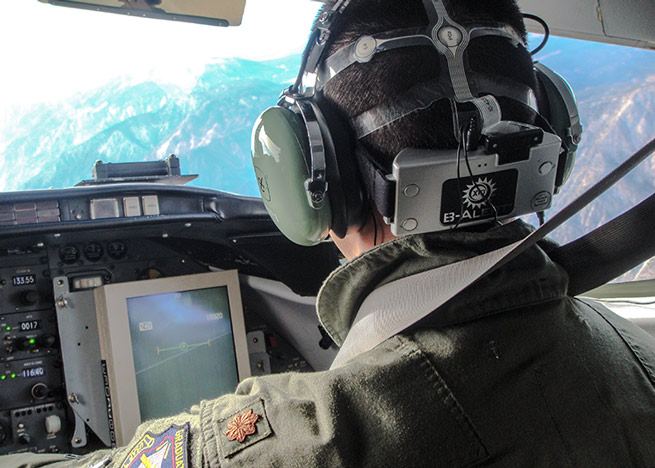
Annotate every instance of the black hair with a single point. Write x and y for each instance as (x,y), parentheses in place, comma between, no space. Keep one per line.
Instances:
(390,74)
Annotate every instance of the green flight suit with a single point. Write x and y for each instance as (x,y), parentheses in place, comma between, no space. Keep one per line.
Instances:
(510,373)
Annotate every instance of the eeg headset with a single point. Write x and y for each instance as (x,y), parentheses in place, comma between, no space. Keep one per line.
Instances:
(310,169)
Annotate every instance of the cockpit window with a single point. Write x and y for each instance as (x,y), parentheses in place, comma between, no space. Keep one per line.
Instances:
(615,90)
(80,86)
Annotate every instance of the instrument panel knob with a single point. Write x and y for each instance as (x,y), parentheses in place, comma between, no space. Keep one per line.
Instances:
(29,297)
(53,424)
(47,341)
(39,390)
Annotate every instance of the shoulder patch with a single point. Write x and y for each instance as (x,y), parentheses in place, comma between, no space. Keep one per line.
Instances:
(165,450)
(243,429)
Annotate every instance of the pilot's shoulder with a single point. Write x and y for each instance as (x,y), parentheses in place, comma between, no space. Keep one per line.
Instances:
(318,418)
(368,412)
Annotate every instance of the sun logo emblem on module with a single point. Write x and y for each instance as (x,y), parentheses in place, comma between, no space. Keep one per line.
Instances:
(478,193)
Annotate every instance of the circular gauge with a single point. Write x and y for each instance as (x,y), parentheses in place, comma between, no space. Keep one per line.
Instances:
(93,251)
(69,254)
(117,250)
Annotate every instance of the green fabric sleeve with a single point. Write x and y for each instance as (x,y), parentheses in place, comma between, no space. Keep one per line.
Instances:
(118,455)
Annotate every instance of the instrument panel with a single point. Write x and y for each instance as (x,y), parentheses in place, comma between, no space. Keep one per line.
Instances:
(191,231)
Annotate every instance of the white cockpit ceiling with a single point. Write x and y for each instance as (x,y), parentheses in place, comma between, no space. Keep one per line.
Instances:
(615,22)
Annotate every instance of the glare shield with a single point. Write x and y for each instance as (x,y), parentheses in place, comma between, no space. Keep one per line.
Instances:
(209,12)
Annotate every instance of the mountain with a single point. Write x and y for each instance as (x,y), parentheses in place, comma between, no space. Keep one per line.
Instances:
(615,90)
(619,120)
(209,127)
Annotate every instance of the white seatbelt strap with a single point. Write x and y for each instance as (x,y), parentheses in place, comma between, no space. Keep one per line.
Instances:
(398,305)
(395,306)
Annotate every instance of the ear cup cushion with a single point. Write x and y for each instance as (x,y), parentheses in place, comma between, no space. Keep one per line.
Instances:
(543,104)
(559,106)
(345,187)
(280,156)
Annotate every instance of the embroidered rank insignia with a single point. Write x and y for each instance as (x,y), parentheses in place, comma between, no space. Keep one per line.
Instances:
(243,429)
(165,450)
(242,426)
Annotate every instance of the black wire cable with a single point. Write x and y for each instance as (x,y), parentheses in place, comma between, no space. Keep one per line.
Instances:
(469,130)
(546,32)
(460,141)
(459,187)
(375,226)
(478,186)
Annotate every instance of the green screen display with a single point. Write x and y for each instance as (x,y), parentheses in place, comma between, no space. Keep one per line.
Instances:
(183,349)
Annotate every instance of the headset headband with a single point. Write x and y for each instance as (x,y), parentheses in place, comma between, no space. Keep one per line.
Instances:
(318,42)
(363,50)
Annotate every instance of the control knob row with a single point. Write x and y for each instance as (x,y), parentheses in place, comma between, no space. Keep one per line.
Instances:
(52,426)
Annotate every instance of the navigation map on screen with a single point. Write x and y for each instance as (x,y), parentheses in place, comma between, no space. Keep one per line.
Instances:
(183,349)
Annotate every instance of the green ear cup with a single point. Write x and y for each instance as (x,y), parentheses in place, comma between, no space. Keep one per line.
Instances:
(564,117)
(280,157)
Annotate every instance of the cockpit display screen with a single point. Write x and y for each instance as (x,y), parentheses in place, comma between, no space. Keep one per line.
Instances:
(183,349)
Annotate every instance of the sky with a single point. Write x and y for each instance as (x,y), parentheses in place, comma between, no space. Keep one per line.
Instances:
(37,68)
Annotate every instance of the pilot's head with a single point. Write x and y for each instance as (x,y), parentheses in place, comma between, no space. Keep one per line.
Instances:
(490,61)
(382,76)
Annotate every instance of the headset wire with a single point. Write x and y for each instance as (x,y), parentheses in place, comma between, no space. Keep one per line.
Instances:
(375,225)
(546,32)
(461,143)
(468,130)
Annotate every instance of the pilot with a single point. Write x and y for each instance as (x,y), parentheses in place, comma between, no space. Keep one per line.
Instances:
(512,372)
